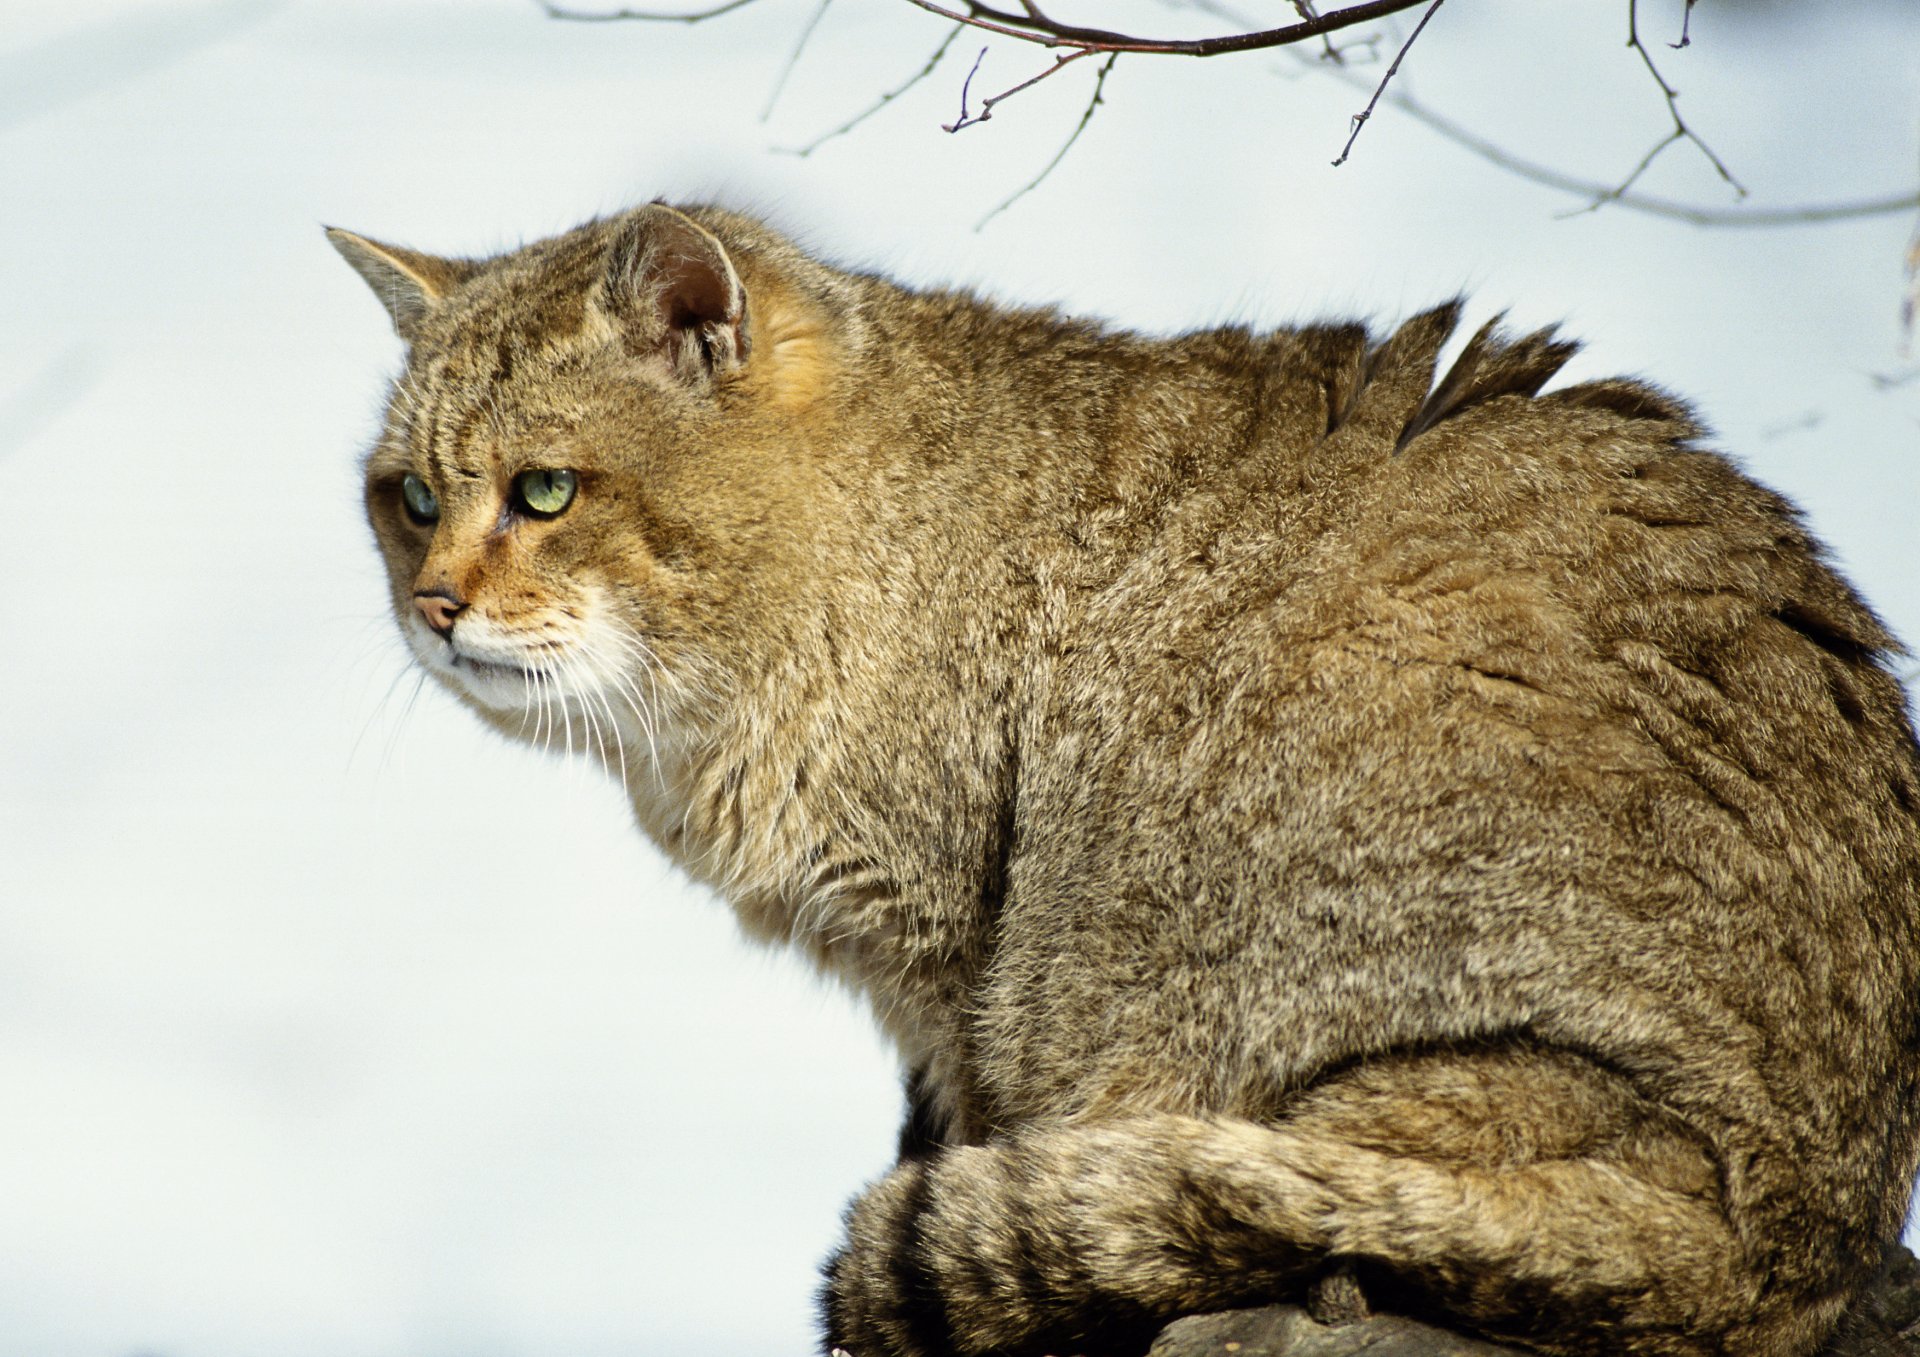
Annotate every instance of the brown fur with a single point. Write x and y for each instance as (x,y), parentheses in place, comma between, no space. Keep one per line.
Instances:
(1297,821)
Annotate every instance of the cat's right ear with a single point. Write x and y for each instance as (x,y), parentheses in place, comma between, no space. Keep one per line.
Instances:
(409,284)
(672,288)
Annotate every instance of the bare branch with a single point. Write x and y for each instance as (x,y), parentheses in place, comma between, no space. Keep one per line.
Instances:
(793,59)
(1800,423)
(581,16)
(966,85)
(36,78)
(939,54)
(1308,14)
(45,396)
(1099,85)
(1620,190)
(1330,51)
(1034,25)
(1031,26)
(1360,118)
(986,105)
(1910,294)
(1686,29)
(1808,214)
(1681,132)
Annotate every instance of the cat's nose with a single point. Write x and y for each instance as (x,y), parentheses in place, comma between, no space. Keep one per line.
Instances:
(439,608)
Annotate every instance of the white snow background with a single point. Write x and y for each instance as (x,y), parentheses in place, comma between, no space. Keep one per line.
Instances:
(331,1025)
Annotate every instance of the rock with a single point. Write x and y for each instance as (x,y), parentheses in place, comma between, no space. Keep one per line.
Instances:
(1289,1331)
(1885,1322)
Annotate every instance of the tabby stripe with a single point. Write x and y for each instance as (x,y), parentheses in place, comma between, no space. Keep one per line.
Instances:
(920,1307)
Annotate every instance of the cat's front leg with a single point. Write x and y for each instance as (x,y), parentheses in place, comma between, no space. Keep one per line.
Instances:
(880,1298)
(974,1252)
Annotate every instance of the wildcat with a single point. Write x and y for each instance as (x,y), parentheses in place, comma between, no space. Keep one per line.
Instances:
(1305,827)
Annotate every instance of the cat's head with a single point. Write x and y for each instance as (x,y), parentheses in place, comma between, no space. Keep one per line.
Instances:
(596,488)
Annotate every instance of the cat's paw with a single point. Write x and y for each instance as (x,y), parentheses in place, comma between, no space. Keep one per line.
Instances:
(881,1297)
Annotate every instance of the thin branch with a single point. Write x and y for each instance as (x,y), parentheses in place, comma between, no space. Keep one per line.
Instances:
(1305,9)
(582,16)
(1032,24)
(1331,52)
(793,59)
(1360,118)
(1620,190)
(1800,423)
(47,395)
(986,105)
(1036,28)
(1810,214)
(1681,131)
(939,54)
(1802,215)
(1910,294)
(965,86)
(1099,85)
(37,78)
(1910,297)
(1686,29)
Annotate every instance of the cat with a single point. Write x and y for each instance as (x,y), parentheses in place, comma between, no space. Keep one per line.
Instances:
(1309,830)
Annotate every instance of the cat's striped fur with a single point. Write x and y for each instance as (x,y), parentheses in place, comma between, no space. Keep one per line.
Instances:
(1296,819)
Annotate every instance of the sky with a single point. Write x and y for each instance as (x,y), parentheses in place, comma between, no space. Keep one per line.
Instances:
(330,1024)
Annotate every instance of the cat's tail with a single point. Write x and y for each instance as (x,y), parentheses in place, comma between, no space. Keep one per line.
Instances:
(1083,1238)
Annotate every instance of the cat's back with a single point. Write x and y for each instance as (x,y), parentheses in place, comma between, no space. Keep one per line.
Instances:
(1566,579)
(1493,711)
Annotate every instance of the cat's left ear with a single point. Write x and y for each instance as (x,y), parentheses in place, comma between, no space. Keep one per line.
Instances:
(674,292)
(409,284)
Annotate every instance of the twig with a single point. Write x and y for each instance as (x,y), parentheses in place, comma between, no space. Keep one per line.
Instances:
(966,85)
(793,59)
(1681,132)
(1034,28)
(581,16)
(1686,29)
(1330,52)
(78,61)
(1619,190)
(986,105)
(1910,296)
(1803,215)
(1031,24)
(1810,214)
(48,394)
(1306,10)
(939,54)
(1099,85)
(1360,118)
(1801,423)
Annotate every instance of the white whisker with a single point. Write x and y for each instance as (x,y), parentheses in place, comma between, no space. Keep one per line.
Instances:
(393,735)
(379,709)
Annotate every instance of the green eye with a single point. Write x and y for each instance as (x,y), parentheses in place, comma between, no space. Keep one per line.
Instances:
(422,507)
(545,493)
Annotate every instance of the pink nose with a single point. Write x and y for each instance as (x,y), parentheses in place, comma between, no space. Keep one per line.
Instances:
(439,609)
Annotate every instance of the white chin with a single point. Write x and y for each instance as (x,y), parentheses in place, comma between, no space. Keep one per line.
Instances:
(499,683)
(495,687)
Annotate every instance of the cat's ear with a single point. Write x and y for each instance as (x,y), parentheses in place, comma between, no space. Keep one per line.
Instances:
(409,284)
(674,292)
